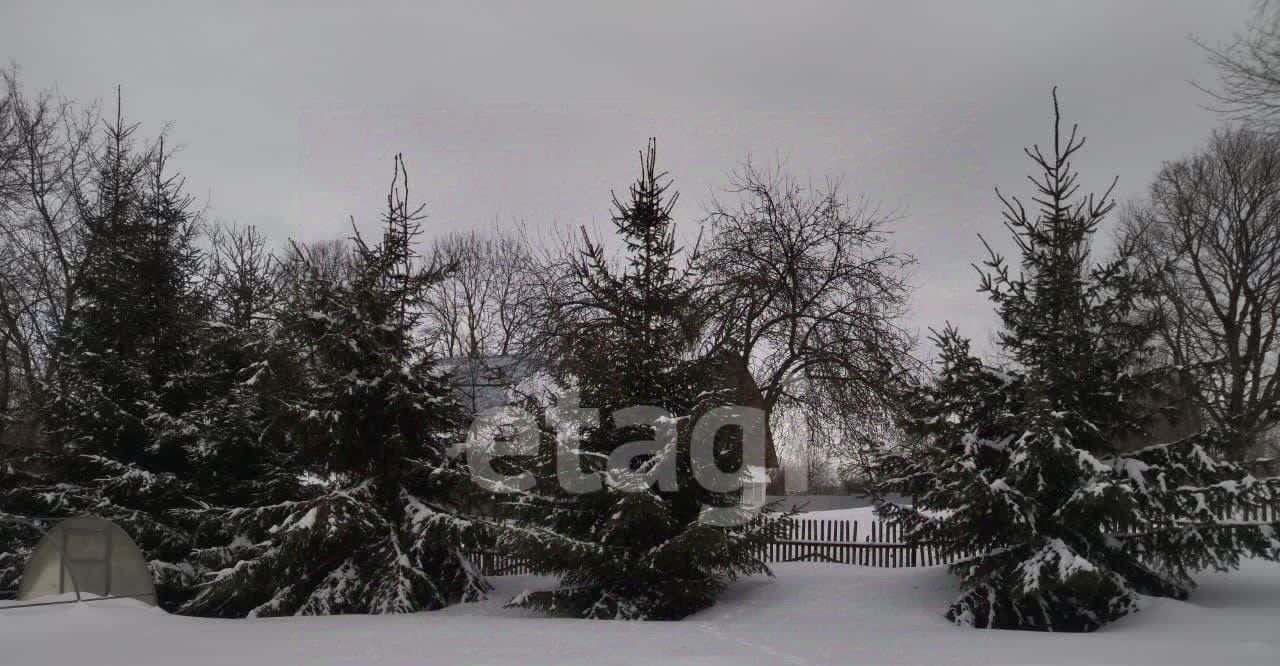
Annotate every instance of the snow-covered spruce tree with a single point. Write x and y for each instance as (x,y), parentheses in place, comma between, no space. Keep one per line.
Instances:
(1021,478)
(244,447)
(124,387)
(633,549)
(376,530)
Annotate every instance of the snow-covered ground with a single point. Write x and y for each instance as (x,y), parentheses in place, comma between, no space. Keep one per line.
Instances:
(862,514)
(809,614)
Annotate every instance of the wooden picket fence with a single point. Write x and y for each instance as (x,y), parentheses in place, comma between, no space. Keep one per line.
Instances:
(498,564)
(1266,513)
(841,541)
(869,544)
(864,543)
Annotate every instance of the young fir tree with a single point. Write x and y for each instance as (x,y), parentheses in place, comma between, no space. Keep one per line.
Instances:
(1056,528)
(635,548)
(377,529)
(119,403)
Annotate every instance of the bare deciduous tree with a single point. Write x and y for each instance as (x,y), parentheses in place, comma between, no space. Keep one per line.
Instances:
(810,292)
(1209,234)
(244,276)
(1249,71)
(484,307)
(47,148)
(327,261)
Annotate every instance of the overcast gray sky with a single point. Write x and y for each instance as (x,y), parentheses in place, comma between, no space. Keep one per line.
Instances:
(289,113)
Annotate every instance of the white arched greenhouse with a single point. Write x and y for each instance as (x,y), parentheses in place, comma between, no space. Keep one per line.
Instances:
(87,555)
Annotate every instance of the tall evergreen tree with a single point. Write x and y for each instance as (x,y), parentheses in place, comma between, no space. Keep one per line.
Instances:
(628,337)
(1021,477)
(377,528)
(117,418)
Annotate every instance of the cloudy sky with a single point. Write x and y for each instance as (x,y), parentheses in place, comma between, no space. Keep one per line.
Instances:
(288,113)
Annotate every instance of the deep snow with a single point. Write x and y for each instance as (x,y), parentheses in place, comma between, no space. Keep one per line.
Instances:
(809,614)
